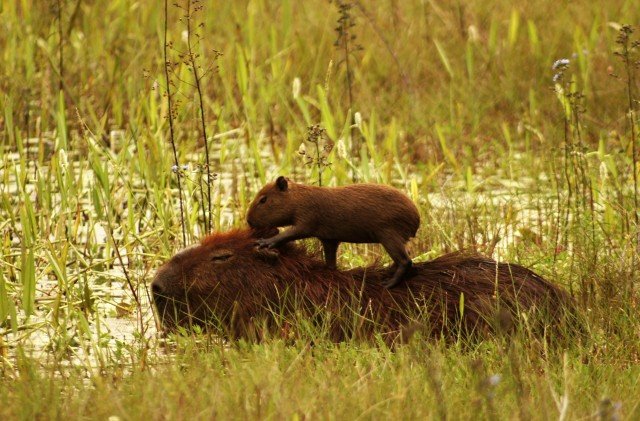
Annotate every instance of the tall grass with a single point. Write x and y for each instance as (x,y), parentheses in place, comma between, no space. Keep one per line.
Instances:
(453,103)
(275,379)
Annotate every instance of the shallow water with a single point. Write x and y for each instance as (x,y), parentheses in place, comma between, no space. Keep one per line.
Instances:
(113,322)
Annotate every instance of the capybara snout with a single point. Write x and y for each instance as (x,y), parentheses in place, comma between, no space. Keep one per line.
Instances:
(173,277)
(165,277)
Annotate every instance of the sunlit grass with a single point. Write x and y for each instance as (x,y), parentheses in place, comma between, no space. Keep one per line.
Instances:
(455,104)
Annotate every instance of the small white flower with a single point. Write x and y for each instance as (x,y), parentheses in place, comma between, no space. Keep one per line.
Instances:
(560,63)
(494,380)
(557,77)
(296,88)
(473,33)
(174,168)
(302,150)
(357,119)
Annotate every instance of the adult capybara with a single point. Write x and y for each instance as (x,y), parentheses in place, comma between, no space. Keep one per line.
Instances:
(229,283)
(359,213)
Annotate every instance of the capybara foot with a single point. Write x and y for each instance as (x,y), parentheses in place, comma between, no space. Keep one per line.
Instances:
(264,243)
(398,276)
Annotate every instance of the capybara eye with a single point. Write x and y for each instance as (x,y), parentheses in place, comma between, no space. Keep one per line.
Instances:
(221,257)
(263,199)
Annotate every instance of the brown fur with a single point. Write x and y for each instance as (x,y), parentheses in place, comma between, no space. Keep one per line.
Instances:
(227,282)
(359,213)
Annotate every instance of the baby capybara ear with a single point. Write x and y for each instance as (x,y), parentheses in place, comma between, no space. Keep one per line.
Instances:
(258,233)
(282,183)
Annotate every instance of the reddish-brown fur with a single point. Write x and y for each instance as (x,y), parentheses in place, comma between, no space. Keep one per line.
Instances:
(247,290)
(359,213)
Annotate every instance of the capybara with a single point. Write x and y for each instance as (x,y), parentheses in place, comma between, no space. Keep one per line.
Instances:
(359,213)
(243,291)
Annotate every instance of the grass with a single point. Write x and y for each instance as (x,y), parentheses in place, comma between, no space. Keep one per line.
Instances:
(347,381)
(455,104)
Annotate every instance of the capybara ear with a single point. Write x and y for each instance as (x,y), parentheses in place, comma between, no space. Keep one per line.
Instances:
(264,232)
(282,183)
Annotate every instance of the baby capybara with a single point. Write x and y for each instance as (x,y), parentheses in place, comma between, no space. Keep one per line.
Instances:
(247,292)
(359,213)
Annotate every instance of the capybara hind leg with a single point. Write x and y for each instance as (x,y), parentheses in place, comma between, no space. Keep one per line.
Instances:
(399,275)
(395,246)
(330,248)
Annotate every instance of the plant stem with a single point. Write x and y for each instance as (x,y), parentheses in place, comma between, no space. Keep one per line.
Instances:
(345,42)
(318,163)
(626,55)
(634,156)
(171,131)
(134,293)
(567,152)
(196,76)
(60,47)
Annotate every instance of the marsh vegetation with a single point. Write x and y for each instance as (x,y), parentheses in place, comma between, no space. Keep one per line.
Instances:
(131,129)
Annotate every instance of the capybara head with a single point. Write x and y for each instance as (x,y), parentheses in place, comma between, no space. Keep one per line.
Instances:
(202,282)
(227,283)
(272,206)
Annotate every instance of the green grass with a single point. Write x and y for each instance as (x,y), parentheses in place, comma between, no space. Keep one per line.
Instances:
(456,106)
(339,381)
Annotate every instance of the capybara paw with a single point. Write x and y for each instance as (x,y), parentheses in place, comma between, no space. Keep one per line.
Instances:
(264,243)
(268,254)
(391,283)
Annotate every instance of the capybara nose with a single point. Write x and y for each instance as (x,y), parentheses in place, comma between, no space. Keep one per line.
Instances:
(159,283)
(156,289)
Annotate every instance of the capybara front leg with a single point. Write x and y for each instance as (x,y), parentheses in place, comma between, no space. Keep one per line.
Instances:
(395,246)
(290,234)
(330,248)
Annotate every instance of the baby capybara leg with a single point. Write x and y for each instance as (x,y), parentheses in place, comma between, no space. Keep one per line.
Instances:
(399,274)
(330,248)
(395,246)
